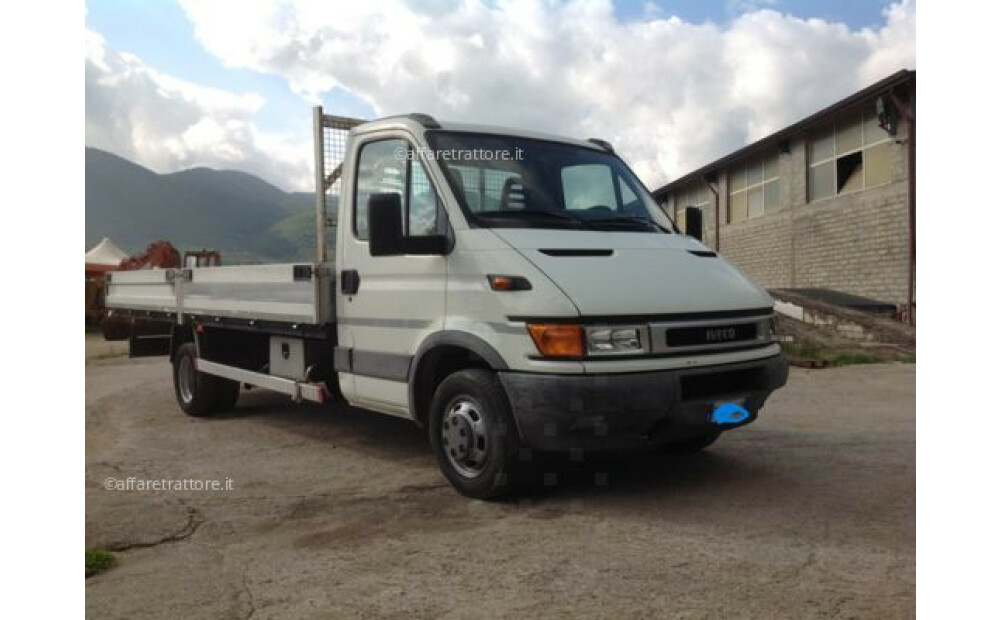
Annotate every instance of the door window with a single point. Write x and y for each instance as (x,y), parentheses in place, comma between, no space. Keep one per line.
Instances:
(388,166)
(381,170)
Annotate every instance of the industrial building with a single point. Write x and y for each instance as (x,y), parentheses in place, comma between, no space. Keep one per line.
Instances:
(827,203)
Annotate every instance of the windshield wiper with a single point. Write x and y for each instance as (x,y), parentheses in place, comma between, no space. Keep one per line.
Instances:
(531,213)
(629,220)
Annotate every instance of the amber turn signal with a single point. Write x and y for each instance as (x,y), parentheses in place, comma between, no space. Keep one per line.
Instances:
(558,339)
(508,283)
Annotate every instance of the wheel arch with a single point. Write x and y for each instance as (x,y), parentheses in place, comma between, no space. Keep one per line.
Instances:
(179,335)
(441,354)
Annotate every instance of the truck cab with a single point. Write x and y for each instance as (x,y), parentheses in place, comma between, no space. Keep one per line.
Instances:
(508,289)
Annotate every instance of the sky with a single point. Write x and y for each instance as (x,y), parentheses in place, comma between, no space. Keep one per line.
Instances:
(228,84)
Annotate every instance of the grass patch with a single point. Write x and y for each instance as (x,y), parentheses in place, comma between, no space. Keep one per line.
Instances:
(99,561)
(802,351)
(847,359)
(842,357)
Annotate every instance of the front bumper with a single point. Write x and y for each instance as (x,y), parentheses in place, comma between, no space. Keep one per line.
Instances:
(631,410)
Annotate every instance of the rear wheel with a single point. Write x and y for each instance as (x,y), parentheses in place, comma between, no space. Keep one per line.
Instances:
(473,434)
(197,393)
(227,392)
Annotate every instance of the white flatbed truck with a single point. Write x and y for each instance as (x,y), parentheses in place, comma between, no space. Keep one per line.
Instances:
(502,289)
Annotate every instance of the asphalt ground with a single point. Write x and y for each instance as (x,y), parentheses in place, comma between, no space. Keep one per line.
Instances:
(334,512)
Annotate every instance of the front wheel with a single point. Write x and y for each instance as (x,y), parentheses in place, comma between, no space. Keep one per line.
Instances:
(473,434)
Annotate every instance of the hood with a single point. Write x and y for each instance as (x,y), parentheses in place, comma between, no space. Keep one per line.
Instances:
(624,273)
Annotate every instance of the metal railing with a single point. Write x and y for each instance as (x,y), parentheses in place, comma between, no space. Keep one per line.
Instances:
(330,143)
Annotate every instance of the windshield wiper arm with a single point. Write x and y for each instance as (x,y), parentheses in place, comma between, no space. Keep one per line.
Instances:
(532,213)
(622,219)
(528,213)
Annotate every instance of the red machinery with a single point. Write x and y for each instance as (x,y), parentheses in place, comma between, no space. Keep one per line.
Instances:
(158,255)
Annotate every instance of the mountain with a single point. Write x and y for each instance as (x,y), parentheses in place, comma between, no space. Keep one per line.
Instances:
(242,216)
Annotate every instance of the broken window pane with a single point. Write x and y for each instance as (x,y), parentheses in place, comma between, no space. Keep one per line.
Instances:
(850,175)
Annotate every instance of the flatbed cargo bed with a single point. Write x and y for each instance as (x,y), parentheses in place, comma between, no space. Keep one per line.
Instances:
(285,293)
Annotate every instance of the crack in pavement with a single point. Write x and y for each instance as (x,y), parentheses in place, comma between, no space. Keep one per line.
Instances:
(195,520)
(246,589)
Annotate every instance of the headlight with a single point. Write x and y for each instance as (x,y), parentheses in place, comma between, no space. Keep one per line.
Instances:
(615,340)
(768,330)
(575,341)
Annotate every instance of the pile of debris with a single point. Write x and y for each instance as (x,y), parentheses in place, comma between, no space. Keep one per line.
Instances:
(817,331)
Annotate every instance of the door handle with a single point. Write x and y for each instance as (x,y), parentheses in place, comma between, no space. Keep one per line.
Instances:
(350,281)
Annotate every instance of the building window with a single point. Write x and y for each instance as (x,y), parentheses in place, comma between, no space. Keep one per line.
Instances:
(696,195)
(753,188)
(848,156)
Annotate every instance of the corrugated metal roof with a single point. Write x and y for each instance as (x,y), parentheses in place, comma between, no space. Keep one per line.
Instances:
(895,79)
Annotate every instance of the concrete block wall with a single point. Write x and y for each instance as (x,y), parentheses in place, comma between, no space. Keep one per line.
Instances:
(856,243)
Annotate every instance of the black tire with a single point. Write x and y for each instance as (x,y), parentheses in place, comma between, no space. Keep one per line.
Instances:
(692,445)
(227,392)
(477,457)
(198,393)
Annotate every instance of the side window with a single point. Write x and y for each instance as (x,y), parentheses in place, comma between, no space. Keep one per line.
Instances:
(423,203)
(381,170)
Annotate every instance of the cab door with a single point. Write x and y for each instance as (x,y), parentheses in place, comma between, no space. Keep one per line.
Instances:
(387,305)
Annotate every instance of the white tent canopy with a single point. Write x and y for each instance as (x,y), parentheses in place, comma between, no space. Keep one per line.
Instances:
(105,253)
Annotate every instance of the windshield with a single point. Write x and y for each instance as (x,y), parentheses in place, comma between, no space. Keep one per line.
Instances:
(505,181)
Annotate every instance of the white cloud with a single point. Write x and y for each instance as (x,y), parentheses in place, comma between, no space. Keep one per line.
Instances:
(167,124)
(671,95)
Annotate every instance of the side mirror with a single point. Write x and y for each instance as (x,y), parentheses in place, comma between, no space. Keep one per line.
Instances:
(692,222)
(385,231)
(385,225)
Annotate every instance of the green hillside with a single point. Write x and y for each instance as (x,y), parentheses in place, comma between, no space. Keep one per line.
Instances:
(242,216)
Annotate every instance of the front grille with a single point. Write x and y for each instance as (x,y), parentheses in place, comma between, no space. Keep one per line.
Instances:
(710,335)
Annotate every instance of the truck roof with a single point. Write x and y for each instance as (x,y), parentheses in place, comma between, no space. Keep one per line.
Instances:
(417,123)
